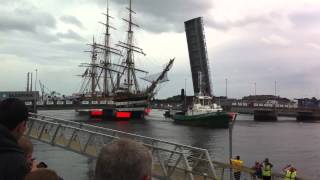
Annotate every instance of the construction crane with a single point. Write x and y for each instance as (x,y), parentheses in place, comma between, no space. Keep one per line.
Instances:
(49,94)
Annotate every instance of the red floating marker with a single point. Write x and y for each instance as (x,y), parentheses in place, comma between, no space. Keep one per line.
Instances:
(123,114)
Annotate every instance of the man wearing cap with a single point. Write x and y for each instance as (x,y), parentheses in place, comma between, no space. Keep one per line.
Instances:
(291,172)
(13,117)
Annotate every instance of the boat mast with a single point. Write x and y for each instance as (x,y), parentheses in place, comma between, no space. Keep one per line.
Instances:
(106,64)
(131,81)
(93,68)
(107,55)
(129,60)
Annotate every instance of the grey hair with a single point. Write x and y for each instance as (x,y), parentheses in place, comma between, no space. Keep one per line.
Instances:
(123,159)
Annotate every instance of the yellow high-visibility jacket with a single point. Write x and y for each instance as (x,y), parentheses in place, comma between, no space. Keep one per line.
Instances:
(290,175)
(266,170)
(237,164)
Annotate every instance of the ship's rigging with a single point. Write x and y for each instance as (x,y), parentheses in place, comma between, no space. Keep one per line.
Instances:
(106,79)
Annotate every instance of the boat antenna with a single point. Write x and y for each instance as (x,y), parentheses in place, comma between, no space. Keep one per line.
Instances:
(200,82)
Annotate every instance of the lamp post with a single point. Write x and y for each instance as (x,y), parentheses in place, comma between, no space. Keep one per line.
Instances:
(226,87)
(275,88)
(35,81)
(231,123)
(185,93)
(255,89)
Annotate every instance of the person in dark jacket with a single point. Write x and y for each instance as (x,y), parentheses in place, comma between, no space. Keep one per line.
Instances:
(13,117)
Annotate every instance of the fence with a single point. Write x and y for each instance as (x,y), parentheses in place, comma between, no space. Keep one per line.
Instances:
(171,160)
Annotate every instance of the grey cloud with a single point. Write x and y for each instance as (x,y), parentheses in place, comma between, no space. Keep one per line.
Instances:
(248,62)
(168,15)
(42,52)
(70,35)
(29,20)
(165,15)
(5,2)
(71,20)
(305,18)
(226,25)
(217,25)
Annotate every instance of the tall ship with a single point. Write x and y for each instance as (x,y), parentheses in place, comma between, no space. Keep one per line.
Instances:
(112,75)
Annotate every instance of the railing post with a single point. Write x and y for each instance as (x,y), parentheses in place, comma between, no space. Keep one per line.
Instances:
(230,142)
(55,134)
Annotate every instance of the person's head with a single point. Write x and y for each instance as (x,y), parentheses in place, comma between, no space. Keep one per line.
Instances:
(292,169)
(257,163)
(27,147)
(42,174)
(124,159)
(238,157)
(266,160)
(13,116)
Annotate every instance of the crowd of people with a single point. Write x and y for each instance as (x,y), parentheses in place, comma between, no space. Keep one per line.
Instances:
(262,170)
(123,159)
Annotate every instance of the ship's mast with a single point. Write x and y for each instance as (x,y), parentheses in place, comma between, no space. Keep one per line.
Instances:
(106,64)
(131,80)
(107,55)
(130,62)
(93,68)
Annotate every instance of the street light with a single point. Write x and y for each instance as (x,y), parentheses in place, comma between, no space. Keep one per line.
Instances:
(35,81)
(226,87)
(255,89)
(231,123)
(275,88)
(185,93)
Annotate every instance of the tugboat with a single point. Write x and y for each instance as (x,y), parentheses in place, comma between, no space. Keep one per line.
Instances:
(204,112)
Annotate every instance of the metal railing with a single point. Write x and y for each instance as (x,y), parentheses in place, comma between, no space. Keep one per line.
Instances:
(171,160)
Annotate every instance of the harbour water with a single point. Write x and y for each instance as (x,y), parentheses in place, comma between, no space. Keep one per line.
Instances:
(283,142)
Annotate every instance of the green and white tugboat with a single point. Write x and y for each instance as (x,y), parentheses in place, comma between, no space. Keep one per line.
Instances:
(204,113)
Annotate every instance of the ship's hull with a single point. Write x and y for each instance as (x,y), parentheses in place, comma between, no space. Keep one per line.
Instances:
(211,120)
(265,115)
(307,116)
(132,107)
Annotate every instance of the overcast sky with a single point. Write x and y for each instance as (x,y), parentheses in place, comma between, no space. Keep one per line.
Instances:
(248,42)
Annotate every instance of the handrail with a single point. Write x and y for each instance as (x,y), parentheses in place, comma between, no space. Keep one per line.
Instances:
(172,160)
(113,130)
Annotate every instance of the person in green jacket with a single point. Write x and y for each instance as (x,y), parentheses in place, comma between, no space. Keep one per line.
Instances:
(266,169)
(290,172)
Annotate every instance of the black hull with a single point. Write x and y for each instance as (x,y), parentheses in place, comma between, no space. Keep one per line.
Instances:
(265,115)
(307,116)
